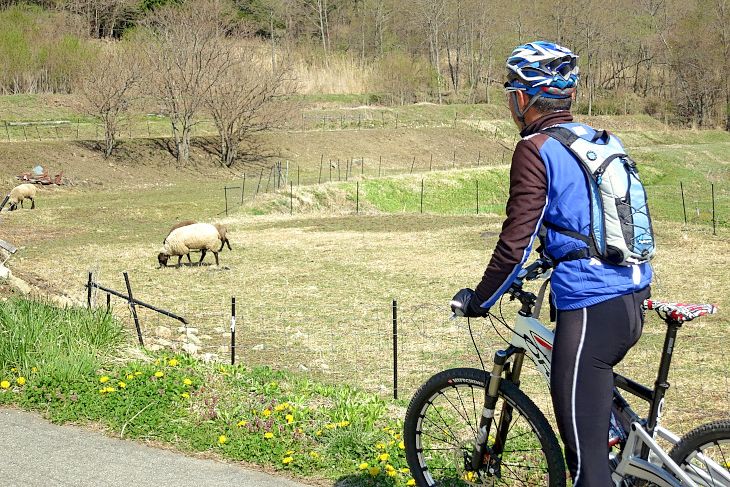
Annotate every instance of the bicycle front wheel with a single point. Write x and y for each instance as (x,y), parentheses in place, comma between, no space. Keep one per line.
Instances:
(441,428)
(704,454)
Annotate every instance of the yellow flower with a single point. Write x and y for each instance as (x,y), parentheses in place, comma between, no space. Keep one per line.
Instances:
(129,376)
(289,418)
(272,384)
(279,408)
(404,470)
(469,476)
(103,379)
(34,369)
(330,426)
(185,395)
(300,430)
(106,390)
(122,385)
(159,374)
(344,424)
(402,445)
(374,471)
(290,452)
(5,384)
(392,473)
(384,457)
(364,466)
(411,482)
(157,362)
(396,436)
(172,363)
(380,446)
(222,440)
(242,423)
(319,433)
(266,413)
(13,369)
(187,381)
(314,454)
(20,381)
(287,460)
(389,468)
(137,374)
(268,435)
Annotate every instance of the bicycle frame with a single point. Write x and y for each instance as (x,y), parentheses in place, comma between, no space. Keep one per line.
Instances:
(642,457)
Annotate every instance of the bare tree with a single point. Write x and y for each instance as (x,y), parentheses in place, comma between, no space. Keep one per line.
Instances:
(107,87)
(246,100)
(188,55)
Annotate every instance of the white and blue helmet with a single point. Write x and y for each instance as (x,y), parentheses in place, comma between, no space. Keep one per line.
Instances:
(542,68)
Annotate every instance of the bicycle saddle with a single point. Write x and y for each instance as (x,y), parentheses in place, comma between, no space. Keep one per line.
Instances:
(679,312)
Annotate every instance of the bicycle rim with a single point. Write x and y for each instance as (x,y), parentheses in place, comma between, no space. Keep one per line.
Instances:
(709,464)
(446,430)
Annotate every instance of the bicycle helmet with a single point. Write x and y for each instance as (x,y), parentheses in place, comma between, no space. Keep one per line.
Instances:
(541,69)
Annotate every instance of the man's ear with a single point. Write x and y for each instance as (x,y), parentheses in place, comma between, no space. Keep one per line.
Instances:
(522,100)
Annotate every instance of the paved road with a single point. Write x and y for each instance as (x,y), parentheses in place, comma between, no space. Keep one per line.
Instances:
(36,453)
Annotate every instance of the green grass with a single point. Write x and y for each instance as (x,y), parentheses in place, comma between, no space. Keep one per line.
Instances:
(60,362)
(65,343)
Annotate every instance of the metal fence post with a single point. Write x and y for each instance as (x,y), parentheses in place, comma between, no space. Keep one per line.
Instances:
(225,196)
(133,308)
(291,197)
(712,186)
(395,349)
(684,208)
(233,330)
(88,289)
(357,197)
(421,195)
(477,181)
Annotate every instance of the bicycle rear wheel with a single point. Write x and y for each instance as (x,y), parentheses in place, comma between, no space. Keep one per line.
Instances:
(441,427)
(704,454)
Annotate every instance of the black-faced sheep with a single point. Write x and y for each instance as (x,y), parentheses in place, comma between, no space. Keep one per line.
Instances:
(20,193)
(198,236)
(222,233)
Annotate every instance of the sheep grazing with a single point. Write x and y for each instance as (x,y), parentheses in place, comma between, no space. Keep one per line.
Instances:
(222,233)
(21,193)
(198,236)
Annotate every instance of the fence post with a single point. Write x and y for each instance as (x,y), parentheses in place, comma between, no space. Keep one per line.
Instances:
(684,208)
(430,163)
(362,166)
(108,303)
(712,186)
(421,195)
(395,349)
(477,181)
(357,197)
(413,164)
(243,187)
(454,161)
(78,121)
(88,289)
(291,197)
(225,196)
(233,330)
(133,308)
(380,163)
(259,183)
(479,158)
(297,174)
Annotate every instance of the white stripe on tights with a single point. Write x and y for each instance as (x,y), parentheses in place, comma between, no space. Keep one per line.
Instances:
(575,382)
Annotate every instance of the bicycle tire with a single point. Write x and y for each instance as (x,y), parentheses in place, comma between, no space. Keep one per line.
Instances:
(543,460)
(713,441)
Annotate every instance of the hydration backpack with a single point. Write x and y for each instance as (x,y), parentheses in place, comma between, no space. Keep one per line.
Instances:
(621,231)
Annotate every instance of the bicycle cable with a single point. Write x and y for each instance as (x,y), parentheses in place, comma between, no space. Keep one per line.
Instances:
(476,348)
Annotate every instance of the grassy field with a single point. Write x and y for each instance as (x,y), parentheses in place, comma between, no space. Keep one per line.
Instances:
(315,289)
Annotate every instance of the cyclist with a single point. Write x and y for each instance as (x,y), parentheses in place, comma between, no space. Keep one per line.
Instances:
(598,304)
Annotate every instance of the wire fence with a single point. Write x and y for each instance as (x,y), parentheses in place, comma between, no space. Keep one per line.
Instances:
(391,348)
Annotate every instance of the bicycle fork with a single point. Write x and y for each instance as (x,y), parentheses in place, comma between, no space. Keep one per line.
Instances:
(480,456)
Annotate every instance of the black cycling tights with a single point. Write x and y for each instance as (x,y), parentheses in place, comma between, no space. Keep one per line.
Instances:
(588,343)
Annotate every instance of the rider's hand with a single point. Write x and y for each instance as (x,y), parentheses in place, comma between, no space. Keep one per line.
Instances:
(467,303)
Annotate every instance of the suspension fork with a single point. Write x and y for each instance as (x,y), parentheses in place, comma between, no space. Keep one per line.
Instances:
(490,403)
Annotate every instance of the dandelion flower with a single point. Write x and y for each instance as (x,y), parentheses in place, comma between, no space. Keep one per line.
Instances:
(5,384)
(411,482)
(374,471)
(266,413)
(279,408)
(187,381)
(364,466)
(344,424)
(268,435)
(122,385)
(330,426)
(104,379)
(380,446)
(34,369)
(172,363)
(290,452)
(389,468)
(129,376)
(287,460)
(20,381)
(392,473)
(469,476)
(159,374)
(289,418)
(185,395)
(242,423)
(319,433)
(404,470)
(13,369)
(300,430)
(222,440)
(384,457)
(402,445)
(137,374)
(314,454)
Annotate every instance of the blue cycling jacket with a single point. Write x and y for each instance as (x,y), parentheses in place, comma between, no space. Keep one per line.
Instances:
(547,185)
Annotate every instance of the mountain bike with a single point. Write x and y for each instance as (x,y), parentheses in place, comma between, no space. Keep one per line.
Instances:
(472,427)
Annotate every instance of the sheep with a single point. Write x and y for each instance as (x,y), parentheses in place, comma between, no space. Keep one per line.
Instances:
(20,193)
(198,236)
(222,231)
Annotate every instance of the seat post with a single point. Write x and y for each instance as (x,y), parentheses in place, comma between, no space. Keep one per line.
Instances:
(661,385)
